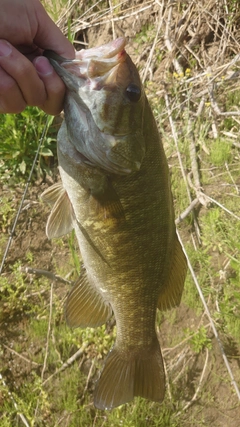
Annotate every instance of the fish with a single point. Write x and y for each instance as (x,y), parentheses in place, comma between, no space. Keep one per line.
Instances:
(115,193)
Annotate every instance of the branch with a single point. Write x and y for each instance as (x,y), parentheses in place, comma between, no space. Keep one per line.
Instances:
(48,274)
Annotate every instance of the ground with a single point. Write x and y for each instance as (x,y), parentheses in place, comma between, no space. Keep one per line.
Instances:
(34,340)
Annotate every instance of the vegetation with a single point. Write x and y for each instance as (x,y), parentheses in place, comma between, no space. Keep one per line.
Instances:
(187,54)
(19,139)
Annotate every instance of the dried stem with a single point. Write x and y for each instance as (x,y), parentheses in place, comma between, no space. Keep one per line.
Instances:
(48,274)
(69,362)
(48,331)
(233,381)
(20,356)
(22,417)
(194,398)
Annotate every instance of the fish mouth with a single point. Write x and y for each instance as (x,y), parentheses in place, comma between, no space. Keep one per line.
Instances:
(91,63)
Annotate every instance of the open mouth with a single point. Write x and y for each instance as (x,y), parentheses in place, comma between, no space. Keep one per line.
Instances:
(94,62)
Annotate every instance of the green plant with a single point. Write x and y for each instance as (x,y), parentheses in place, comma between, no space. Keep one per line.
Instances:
(220,152)
(200,340)
(19,140)
(7,211)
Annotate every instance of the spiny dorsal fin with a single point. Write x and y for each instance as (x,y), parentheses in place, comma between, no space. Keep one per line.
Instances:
(61,218)
(85,306)
(126,375)
(173,288)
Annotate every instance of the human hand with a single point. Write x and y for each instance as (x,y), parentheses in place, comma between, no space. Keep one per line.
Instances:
(26,77)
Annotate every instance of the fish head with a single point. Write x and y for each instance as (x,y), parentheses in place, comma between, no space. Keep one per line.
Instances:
(104,106)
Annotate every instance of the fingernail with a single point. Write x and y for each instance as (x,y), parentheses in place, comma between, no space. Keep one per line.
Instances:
(5,48)
(43,66)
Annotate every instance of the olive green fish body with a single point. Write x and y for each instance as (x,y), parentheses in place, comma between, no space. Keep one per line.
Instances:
(123,217)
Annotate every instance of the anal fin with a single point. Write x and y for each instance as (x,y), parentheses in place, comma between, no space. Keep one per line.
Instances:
(173,287)
(85,305)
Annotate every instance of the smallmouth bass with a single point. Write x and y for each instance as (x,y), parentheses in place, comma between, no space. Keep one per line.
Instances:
(115,193)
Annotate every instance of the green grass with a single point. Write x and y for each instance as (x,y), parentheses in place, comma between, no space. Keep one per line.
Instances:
(220,152)
(19,139)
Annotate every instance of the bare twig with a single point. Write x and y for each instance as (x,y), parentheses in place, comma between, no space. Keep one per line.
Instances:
(178,359)
(168,43)
(112,21)
(69,362)
(187,211)
(20,355)
(152,51)
(194,165)
(48,274)
(167,381)
(222,207)
(22,417)
(175,138)
(80,25)
(233,381)
(194,398)
(169,350)
(48,332)
(186,362)
(234,183)
(89,375)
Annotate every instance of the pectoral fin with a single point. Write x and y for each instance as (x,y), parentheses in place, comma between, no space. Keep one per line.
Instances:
(61,218)
(85,306)
(51,194)
(172,290)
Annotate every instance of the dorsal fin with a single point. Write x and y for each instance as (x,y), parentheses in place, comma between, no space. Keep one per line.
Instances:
(173,288)
(86,306)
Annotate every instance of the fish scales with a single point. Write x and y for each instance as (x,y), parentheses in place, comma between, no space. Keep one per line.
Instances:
(121,208)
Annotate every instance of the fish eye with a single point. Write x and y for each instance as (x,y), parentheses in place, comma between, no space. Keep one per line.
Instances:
(133,92)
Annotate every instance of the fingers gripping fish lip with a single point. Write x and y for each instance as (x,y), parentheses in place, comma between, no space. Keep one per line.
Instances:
(94,68)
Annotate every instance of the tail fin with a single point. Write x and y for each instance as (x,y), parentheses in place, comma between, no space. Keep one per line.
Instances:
(124,377)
